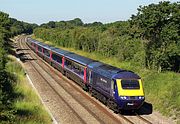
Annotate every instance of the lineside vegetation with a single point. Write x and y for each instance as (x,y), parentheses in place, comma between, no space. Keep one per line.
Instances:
(18,103)
(148,43)
(27,108)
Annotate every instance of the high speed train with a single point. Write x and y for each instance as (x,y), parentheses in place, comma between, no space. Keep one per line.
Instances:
(117,88)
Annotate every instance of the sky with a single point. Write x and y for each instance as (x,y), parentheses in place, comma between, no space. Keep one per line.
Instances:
(43,11)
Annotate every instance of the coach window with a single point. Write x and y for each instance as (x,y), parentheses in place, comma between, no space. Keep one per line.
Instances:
(82,71)
(75,68)
(78,69)
(39,49)
(46,53)
(57,58)
(68,64)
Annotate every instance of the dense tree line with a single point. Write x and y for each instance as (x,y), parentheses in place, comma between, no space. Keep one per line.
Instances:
(151,38)
(160,26)
(9,27)
(19,27)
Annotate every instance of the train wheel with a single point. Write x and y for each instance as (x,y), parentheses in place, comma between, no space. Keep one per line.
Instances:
(109,104)
(63,72)
(85,87)
(112,105)
(92,93)
(67,75)
(105,100)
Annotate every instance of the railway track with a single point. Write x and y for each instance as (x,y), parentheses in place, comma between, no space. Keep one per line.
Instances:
(52,87)
(70,87)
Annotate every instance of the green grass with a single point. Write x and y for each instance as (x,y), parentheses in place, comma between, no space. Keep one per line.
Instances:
(28,107)
(162,90)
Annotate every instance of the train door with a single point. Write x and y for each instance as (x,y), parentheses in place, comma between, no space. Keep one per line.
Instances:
(36,49)
(112,88)
(89,79)
(90,76)
(115,90)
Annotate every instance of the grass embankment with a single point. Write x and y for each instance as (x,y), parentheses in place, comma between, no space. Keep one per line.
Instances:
(161,89)
(28,107)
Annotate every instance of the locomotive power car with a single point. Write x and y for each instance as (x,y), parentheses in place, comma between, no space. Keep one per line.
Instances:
(117,88)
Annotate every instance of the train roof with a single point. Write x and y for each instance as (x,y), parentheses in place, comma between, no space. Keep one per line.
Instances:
(45,46)
(42,44)
(60,51)
(107,70)
(35,41)
(95,64)
(112,72)
(126,75)
(80,59)
(98,67)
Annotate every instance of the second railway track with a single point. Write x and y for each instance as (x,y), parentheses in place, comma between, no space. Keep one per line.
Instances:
(93,109)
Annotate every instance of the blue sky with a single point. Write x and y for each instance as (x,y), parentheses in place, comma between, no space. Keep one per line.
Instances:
(41,11)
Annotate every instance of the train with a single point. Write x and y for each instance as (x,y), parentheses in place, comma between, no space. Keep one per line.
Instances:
(117,88)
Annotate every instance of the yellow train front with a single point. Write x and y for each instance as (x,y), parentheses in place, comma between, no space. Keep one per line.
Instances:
(129,93)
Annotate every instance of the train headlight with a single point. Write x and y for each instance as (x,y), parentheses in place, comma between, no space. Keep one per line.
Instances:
(141,97)
(123,97)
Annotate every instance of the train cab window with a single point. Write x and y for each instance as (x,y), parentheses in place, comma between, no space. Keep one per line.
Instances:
(130,84)
(46,52)
(57,58)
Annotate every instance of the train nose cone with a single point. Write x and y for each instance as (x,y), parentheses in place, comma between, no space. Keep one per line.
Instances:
(129,104)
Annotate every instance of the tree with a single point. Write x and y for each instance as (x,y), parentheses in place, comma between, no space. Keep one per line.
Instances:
(159,24)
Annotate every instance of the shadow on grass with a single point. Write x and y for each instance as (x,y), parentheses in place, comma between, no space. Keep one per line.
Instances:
(23,57)
(22,112)
(146,109)
(21,49)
